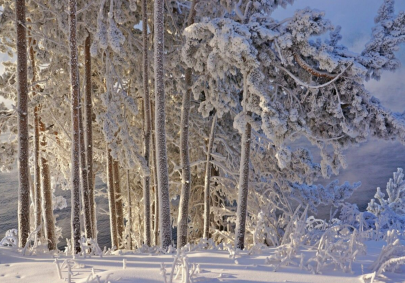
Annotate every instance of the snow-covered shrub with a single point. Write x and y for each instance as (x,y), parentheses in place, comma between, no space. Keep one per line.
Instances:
(339,246)
(391,210)
(313,224)
(364,222)
(291,241)
(10,239)
(263,235)
(204,244)
(31,239)
(391,257)
(90,247)
(315,228)
(181,268)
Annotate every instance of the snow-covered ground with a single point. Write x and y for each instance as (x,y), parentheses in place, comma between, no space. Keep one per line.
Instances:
(213,266)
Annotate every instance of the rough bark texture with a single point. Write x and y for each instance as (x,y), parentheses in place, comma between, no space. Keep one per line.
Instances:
(75,161)
(23,136)
(161,150)
(32,196)
(111,200)
(147,124)
(129,222)
(85,184)
(89,134)
(155,185)
(243,181)
(118,203)
(182,221)
(207,180)
(37,169)
(49,219)
(156,215)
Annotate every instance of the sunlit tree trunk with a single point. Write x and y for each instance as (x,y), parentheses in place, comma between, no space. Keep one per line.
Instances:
(243,179)
(118,203)
(182,221)
(155,185)
(147,124)
(49,219)
(75,148)
(23,136)
(37,169)
(129,222)
(207,180)
(161,150)
(84,179)
(111,200)
(89,134)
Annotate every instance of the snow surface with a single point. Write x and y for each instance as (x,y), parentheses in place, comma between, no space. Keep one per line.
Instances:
(215,266)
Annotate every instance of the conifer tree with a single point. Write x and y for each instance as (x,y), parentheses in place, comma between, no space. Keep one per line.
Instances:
(160,120)
(89,133)
(147,126)
(37,169)
(49,219)
(118,202)
(207,179)
(182,222)
(111,200)
(23,137)
(75,149)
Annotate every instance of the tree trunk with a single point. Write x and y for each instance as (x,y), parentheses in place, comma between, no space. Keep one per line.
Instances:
(49,219)
(207,180)
(85,185)
(129,222)
(161,150)
(23,136)
(75,163)
(111,200)
(155,185)
(147,123)
(89,134)
(118,202)
(243,179)
(182,221)
(37,169)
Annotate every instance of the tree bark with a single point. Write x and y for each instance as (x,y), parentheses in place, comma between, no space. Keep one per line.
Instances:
(182,221)
(243,179)
(37,169)
(147,124)
(129,223)
(49,219)
(118,203)
(75,161)
(161,150)
(23,151)
(207,180)
(89,134)
(85,185)
(111,200)
(156,224)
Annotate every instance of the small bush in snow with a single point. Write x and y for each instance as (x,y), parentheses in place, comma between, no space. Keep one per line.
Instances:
(10,239)
(338,247)
(391,210)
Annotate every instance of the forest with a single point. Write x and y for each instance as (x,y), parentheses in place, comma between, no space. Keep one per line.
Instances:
(190,112)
